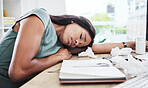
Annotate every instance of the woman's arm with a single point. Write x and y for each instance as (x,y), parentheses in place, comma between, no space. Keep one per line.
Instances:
(27,44)
(76,50)
(106,47)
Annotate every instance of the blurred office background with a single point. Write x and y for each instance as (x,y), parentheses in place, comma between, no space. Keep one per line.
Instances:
(114,20)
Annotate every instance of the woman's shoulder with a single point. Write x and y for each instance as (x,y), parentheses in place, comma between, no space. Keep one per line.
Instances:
(41,13)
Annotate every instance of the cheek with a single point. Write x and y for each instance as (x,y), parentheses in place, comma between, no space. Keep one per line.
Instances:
(63,38)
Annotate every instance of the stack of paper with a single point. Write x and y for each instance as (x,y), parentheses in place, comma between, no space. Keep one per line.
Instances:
(88,71)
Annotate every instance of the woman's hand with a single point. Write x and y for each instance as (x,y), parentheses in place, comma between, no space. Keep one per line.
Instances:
(63,54)
(146,46)
(133,45)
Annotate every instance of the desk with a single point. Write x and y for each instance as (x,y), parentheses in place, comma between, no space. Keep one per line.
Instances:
(49,78)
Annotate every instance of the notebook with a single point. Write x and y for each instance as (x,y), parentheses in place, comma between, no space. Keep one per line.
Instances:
(89,71)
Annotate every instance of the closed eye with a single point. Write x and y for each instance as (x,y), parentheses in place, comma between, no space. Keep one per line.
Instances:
(85,38)
(81,36)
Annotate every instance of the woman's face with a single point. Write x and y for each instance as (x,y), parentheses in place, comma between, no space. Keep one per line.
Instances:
(75,35)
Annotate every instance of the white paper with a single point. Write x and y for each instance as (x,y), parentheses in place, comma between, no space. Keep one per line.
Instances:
(124,51)
(143,57)
(85,63)
(90,68)
(133,67)
(88,53)
(95,71)
(145,63)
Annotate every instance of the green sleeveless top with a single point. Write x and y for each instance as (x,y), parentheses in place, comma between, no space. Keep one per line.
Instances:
(49,44)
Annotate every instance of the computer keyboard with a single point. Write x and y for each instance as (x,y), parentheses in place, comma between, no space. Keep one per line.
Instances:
(140,81)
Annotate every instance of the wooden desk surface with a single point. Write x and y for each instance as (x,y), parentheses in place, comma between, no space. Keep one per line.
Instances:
(49,78)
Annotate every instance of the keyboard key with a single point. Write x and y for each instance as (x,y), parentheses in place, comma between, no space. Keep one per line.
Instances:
(140,81)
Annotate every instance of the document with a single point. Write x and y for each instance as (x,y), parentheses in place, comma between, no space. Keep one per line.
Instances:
(89,71)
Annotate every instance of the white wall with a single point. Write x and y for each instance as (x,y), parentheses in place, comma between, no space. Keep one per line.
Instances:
(12,7)
(16,8)
(137,19)
(121,13)
(1,14)
(55,7)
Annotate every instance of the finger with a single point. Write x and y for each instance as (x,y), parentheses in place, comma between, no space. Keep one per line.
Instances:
(70,55)
(146,48)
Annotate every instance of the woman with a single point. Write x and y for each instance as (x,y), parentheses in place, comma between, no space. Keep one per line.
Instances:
(37,41)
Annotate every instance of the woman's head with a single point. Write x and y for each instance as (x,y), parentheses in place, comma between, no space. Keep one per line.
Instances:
(79,32)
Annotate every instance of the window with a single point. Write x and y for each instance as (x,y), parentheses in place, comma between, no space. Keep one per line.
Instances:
(114,20)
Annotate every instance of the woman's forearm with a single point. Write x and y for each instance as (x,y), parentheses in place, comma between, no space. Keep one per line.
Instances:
(38,65)
(107,47)
(32,67)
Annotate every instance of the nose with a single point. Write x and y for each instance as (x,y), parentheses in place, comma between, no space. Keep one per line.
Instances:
(77,42)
